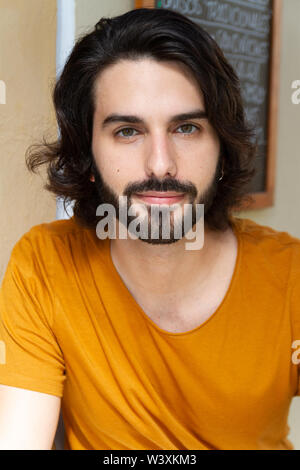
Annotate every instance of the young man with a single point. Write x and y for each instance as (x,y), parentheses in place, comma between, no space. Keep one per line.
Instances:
(147,344)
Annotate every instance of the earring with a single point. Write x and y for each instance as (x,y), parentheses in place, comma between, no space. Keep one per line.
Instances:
(222,173)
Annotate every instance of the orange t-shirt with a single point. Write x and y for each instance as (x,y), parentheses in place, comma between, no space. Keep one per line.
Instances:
(71,328)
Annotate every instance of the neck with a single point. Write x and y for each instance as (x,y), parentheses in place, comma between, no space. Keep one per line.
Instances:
(166,270)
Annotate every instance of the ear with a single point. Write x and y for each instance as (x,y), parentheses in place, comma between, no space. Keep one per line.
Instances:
(92,178)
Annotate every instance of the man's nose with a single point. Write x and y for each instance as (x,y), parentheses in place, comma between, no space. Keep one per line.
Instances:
(160,159)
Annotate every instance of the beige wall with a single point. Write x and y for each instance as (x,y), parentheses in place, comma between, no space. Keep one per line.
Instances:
(27,65)
(89,13)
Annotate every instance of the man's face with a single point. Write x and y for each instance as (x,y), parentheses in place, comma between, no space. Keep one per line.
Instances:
(156,156)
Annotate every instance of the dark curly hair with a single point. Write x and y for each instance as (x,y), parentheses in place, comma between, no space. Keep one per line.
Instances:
(163,35)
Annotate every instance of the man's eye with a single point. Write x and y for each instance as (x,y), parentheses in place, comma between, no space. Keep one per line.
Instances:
(125,129)
(188,126)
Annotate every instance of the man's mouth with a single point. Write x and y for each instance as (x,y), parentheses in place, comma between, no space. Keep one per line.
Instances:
(155,197)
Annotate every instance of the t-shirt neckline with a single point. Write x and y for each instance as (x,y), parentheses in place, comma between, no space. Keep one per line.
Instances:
(129,297)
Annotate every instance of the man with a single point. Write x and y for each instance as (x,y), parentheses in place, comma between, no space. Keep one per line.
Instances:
(147,344)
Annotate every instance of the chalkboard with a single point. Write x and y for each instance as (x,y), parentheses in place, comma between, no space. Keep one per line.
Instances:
(248,33)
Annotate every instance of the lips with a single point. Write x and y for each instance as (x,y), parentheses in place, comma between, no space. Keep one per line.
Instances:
(154,197)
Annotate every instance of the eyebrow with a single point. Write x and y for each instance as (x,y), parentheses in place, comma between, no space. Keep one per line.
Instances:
(112,118)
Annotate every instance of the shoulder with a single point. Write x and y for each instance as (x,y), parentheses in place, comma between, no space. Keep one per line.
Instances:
(55,243)
(40,237)
(277,250)
(264,236)
(258,233)
(61,227)
(51,232)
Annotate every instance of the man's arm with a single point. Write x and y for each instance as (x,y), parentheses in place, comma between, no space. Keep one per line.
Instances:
(28,419)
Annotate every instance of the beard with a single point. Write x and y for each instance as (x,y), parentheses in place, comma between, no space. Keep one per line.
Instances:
(176,224)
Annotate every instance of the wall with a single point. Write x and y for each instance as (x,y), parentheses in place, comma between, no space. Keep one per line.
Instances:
(89,13)
(27,66)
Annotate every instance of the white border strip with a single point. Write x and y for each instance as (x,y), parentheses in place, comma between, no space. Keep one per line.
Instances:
(65,40)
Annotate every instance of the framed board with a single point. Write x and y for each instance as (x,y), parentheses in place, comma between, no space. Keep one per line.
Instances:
(248,32)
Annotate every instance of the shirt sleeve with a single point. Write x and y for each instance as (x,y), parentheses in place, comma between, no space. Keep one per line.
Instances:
(30,356)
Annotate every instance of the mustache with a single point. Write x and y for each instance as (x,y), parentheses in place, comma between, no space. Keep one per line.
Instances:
(167,184)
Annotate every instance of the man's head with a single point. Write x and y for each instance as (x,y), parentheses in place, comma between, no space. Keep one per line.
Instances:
(151,134)
(149,65)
